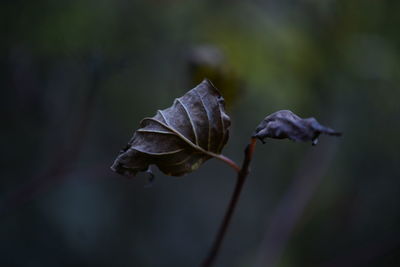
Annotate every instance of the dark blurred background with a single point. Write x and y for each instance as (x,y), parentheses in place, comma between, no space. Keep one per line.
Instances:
(76,78)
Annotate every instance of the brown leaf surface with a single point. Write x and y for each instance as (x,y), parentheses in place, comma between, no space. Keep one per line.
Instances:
(285,124)
(180,138)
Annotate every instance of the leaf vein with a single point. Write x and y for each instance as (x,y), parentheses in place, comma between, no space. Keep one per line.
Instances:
(208,120)
(190,143)
(190,119)
(163,116)
(223,127)
(154,131)
(161,153)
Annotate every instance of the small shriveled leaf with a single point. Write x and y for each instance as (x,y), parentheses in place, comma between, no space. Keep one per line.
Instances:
(180,138)
(285,124)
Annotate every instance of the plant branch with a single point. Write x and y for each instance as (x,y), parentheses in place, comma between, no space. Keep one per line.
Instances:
(241,178)
(228,161)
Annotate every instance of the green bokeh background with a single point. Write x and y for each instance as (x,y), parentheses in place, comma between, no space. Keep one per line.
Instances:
(76,78)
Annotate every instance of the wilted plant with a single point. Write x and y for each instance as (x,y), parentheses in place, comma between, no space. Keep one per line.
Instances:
(196,128)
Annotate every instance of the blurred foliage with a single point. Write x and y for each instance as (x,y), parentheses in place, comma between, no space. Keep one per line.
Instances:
(209,61)
(77,77)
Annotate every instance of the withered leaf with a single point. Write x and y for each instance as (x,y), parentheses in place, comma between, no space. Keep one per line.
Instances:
(180,138)
(285,124)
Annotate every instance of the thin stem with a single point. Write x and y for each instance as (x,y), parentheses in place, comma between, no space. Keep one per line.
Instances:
(241,178)
(228,161)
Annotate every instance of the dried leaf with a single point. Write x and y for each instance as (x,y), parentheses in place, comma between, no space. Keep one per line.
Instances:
(180,138)
(285,124)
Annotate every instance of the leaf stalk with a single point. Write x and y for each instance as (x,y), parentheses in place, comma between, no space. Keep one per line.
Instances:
(227,160)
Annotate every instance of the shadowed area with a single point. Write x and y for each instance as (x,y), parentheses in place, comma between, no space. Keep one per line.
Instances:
(77,78)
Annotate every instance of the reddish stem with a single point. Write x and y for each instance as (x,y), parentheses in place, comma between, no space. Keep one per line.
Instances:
(228,161)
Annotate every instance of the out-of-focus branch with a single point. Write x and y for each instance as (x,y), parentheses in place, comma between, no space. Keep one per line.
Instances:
(292,205)
(64,157)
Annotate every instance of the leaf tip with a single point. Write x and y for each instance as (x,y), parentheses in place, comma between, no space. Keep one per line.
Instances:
(209,83)
(123,171)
